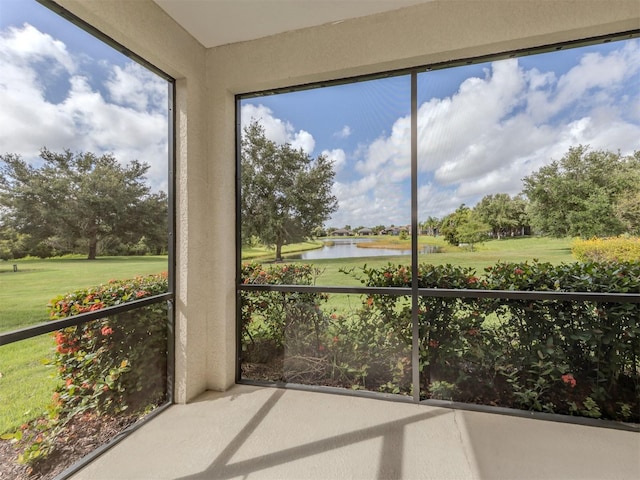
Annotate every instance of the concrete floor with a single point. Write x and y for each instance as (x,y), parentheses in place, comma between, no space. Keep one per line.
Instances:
(266,433)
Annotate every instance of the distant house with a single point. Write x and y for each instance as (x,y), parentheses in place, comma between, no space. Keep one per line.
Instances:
(395,231)
(341,232)
(365,231)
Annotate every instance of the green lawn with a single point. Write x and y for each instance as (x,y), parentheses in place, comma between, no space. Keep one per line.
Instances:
(26,383)
(24,294)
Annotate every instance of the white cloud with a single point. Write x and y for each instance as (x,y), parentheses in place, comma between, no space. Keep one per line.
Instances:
(344,133)
(275,129)
(337,156)
(371,200)
(497,129)
(599,74)
(26,117)
(81,119)
(137,87)
(303,140)
(28,45)
(435,201)
(491,132)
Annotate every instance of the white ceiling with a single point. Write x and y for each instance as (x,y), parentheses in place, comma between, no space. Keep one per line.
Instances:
(219,22)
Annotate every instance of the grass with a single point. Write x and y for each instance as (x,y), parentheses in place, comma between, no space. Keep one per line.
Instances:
(25,294)
(551,250)
(26,383)
(261,253)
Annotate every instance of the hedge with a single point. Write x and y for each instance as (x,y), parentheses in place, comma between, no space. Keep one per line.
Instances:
(618,249)
(116,362)
(572,357)
(106,366)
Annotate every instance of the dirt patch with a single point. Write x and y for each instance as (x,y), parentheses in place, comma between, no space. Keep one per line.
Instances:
(83,434)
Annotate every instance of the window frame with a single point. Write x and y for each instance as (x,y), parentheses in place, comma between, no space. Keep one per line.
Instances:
(32,331)
(414,291)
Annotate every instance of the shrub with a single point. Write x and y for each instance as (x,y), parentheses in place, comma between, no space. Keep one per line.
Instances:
(572,357)
(306,343)
(116,362)
(281,319)
(520,352)
(618,249)
(105,366)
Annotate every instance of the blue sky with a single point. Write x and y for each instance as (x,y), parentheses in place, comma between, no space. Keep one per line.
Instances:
(482,127)
(61,88)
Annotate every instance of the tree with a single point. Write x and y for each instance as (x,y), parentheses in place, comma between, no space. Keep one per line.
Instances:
(463,226)
(586,194)
(285,193)
(378,228)
(79,197)
(504,214)
(628,210)
(431,226)
(450,223)
(12,243)
(472,230)
(319,232)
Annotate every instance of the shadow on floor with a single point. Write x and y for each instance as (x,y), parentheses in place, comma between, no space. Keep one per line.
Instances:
(389,463)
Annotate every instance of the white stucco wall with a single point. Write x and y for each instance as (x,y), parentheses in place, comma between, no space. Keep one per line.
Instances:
(208,80)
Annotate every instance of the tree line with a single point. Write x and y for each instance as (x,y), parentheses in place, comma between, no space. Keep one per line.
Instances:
(79,203)
(286,197)
(587,193)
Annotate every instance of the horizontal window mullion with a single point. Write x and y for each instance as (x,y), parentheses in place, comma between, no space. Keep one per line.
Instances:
(317,289)
(52,326)
(452,293)
(531,295)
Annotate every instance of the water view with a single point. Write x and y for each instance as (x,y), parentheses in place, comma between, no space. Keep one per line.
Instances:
(348,248)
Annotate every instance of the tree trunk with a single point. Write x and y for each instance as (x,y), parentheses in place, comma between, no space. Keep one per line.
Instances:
(93,246)
(278,252)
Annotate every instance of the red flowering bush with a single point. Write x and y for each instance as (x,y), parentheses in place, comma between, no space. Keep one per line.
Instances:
(569,380)
(519,352)
(444,322)
(116,362)
(106,365)
(557,356)
(273,320)
(598,342)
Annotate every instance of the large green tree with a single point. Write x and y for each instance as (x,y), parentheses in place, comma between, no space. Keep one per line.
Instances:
(586,193)
(285,193)
(628,209)
(505,215)
(463,226)
(79,197)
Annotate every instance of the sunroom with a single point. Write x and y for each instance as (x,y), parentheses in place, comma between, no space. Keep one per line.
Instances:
(232,415)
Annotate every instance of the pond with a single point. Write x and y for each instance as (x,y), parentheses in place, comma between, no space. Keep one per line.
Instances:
(348,248)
